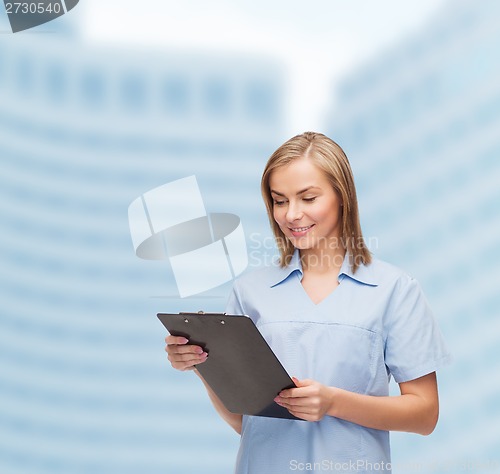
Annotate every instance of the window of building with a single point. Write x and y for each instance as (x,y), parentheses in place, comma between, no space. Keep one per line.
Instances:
(176,96)
(93,87)
(261,101)
(133,91)
(217,98)
(56,82)
(24,74)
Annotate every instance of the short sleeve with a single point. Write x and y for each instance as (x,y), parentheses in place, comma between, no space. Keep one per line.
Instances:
(414,345)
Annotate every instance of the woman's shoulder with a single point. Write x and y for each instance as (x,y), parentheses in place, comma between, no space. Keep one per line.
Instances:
(394,284)
(387,273)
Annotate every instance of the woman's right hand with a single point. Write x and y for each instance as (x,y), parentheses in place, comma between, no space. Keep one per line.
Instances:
(183,356)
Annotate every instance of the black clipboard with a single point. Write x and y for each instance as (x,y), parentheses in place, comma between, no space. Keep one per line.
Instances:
(241,368)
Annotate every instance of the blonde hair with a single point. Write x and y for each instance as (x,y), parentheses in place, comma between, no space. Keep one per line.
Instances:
(331,159)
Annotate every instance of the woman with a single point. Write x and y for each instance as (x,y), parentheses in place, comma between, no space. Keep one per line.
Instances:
(341,322)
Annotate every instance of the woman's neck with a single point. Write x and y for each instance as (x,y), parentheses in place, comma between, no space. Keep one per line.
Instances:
(321,260)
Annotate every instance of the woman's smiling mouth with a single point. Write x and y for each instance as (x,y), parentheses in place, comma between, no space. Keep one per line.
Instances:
(299,231)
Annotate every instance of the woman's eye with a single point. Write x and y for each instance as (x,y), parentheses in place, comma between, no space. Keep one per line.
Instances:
(279,203)
(311,199)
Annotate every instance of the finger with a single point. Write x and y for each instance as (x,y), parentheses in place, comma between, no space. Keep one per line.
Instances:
(293,403)
(301,392)
(176,340)
(302,383)
(188,349)
(190,357)
(184,366)
(300,411)
(187,364)
(304,388)
(304,416)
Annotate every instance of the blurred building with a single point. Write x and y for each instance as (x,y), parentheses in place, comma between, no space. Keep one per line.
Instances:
(85,386)
(421,126)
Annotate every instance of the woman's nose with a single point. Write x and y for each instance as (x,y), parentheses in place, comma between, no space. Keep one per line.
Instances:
(294,212)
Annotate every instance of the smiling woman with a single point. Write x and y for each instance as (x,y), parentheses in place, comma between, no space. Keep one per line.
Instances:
(339,320)
(317,170)
(308,217)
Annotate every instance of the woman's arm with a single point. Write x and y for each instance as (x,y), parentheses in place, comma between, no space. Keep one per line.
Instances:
(232,419)
(415,410)
(184,356)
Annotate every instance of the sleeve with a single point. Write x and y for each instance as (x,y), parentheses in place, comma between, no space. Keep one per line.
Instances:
(414,345)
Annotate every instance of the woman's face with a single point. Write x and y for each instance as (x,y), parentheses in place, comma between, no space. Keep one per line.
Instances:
(306,207)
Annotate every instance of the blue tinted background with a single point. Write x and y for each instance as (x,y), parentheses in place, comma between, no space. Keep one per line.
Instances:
(85,386)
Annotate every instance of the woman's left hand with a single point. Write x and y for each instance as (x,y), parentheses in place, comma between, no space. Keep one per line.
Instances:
(310,400)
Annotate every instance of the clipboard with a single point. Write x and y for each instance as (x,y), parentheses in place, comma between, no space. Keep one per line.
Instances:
(241,368)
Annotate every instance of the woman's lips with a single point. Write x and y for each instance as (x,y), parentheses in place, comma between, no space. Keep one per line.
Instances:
(300,231)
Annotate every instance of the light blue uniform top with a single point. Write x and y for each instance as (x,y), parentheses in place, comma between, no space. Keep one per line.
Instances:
(375,324)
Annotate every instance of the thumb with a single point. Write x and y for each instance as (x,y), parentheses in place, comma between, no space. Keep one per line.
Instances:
(301,383)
